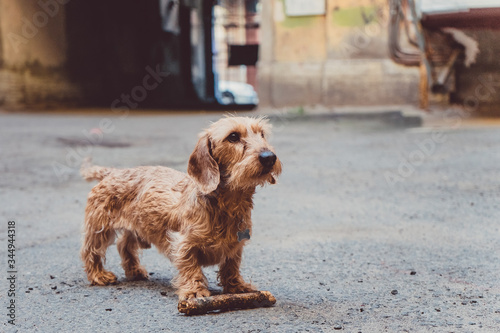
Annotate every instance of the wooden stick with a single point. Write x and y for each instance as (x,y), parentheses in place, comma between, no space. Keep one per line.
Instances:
(203,305)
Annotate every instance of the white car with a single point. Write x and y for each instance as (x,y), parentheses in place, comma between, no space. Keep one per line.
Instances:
(231,92)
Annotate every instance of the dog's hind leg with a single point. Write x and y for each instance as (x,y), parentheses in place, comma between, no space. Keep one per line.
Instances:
(93,253)
(128,246)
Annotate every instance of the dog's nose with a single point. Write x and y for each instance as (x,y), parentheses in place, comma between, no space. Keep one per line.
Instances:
(267,158)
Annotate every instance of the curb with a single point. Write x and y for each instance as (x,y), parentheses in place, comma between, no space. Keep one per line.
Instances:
(393,118)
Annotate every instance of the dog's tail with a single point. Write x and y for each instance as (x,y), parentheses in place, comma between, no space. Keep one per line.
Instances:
(93,172)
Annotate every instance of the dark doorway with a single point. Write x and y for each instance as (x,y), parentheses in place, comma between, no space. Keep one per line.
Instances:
(113,46)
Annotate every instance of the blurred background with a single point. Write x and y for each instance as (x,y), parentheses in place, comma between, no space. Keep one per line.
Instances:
(386,217)
(279,53)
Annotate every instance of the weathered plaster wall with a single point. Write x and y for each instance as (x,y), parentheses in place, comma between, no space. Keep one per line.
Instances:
(33,54)
(339,58)
(59,53)
(28,30)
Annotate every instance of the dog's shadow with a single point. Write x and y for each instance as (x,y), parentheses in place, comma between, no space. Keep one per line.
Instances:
(161,285)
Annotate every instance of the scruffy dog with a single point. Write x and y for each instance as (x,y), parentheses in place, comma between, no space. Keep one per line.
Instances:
(197,219)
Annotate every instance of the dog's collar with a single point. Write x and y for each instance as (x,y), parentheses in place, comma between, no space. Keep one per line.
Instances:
(242,235)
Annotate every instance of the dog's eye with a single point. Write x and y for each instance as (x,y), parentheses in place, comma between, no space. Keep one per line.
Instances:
(233,137)
(262,134)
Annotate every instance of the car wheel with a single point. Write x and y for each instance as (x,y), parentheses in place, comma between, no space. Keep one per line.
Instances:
(227,98)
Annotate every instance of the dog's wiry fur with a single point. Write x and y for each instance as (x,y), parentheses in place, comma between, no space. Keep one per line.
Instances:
(193,218)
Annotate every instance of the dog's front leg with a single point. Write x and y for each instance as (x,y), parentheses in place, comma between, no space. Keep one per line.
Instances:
(191,282)
(230,277)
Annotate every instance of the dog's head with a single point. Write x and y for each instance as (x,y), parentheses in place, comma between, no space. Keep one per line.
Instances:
(234,151)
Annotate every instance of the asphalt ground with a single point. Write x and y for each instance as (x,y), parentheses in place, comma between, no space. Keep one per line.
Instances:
(375,226)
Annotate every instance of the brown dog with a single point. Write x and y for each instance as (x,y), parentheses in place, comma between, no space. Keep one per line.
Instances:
(197,219)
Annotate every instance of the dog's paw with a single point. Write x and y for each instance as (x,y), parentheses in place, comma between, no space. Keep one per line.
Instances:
(137,274)
(240,289)
(193,294)
(104,278)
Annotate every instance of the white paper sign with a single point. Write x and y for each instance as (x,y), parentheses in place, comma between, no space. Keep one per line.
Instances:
(305,7)
(430,6)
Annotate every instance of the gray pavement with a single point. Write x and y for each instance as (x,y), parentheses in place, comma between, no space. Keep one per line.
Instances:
(373,227)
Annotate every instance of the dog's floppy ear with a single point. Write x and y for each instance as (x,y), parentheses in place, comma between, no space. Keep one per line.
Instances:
(202,166)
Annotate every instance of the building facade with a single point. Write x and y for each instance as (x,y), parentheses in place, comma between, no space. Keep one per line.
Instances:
(337,56)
